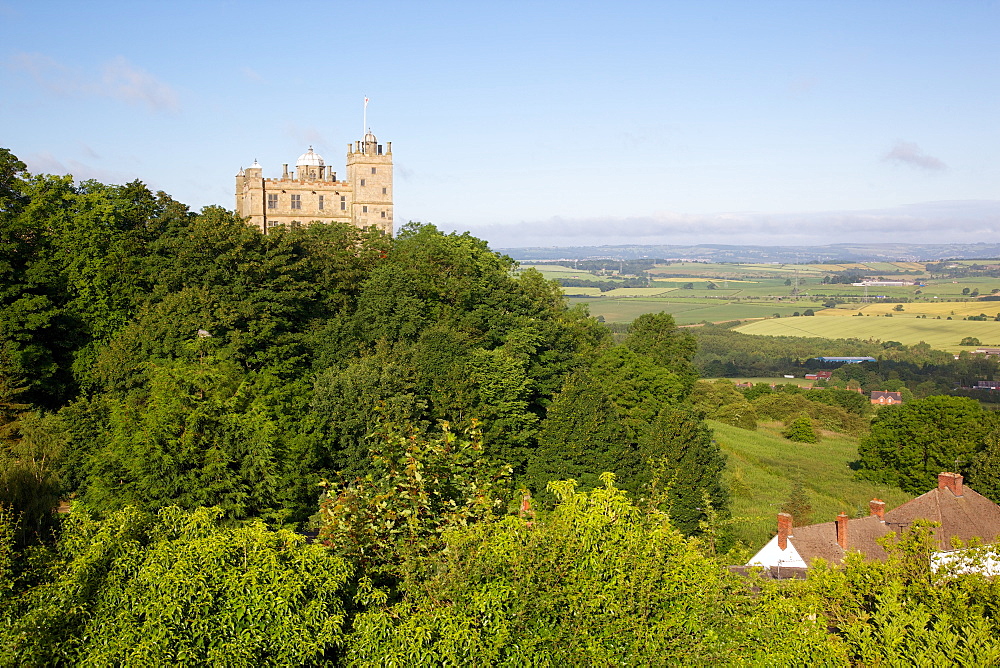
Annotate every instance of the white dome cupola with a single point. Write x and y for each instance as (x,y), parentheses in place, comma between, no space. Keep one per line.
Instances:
(310,159)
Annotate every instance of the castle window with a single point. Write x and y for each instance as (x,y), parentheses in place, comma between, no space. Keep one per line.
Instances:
(272,201)
(343,203)
(383,214)
(320,201)
(373,170)
(296,201)
(362,182)
(364,209)
(383,191)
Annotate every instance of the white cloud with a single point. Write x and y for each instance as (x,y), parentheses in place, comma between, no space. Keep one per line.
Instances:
(46,163)
(252,74)
(119,79)
(909,153)
(123,80)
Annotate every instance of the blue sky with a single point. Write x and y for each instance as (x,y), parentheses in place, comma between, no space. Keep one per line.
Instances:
(541,123)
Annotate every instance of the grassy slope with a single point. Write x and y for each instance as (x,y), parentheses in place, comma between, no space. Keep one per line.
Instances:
(762,466)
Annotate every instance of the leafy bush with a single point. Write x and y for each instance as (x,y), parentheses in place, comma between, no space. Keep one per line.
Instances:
(595,582)
(178,588)
(801,430)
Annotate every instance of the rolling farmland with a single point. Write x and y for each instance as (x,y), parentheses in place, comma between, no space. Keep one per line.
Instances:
(941,334)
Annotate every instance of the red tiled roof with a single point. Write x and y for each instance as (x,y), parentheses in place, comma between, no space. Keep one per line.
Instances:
(820,540)
(970,515)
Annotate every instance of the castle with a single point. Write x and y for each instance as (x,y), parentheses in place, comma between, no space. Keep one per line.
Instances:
(313,192)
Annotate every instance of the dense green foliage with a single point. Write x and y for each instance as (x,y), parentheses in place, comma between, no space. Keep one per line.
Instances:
(917,368)
(910,444)
(801,430)
(177,588)
(596,582)
(498,478)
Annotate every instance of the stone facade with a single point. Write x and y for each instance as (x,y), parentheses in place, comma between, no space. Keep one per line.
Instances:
(313,194)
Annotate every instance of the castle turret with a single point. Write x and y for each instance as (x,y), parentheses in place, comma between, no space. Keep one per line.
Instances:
(250,195)
(369,171)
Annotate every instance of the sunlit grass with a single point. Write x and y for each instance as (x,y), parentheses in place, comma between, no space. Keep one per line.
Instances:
(940,334)
(762,467)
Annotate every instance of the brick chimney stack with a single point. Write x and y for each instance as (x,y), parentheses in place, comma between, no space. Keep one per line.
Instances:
(842,530)
(877,508)
(952,481)
(784,529)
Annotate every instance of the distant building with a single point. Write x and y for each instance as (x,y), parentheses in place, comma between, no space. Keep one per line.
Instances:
(986,351)
(844,360)
(884,283)
(886,398)
(819,375)
(314,194)
(987,385)
(962,513)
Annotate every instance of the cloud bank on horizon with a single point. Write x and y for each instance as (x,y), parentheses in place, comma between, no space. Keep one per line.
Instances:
(965,221)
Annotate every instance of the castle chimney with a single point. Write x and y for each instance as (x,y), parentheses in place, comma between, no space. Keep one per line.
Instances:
(952,481)
(842,530)
(877,508)
(784,529)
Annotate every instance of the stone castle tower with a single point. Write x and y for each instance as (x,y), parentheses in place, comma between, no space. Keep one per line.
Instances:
(313,193)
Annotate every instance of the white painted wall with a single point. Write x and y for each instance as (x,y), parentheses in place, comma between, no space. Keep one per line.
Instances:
(772,555)
(984,560)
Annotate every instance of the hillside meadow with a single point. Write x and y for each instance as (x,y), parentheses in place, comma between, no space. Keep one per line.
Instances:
(762,467)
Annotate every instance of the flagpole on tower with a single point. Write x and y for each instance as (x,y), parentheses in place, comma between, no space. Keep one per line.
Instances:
(364,129)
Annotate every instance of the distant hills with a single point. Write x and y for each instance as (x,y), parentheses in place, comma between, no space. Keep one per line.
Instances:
(847,252)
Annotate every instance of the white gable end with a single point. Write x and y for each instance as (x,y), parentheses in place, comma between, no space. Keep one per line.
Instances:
(772,555)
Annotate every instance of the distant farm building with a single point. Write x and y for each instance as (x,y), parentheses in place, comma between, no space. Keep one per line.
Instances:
(987,385)
(884,283)
(986,351)
(819,375)
(887,398)
(844,360)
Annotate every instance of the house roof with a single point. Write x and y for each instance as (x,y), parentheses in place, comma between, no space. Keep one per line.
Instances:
(970,515)
(961,512)
(819,541)
(893,395)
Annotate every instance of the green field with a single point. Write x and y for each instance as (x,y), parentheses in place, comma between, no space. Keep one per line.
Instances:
(637,292)
(940,334)
(780,380)
(690,311)
(761,469)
